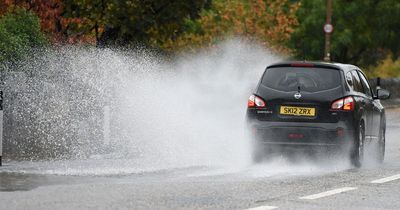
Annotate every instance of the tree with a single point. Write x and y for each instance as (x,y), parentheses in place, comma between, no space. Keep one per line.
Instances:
(121,22)
(365,31)
(52,18)
(270,22)
(19,32)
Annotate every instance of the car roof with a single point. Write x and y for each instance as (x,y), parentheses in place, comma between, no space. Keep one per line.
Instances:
(320,64)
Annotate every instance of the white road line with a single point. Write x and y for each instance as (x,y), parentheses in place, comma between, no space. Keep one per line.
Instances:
(263,208)
(387,179)
(328,193)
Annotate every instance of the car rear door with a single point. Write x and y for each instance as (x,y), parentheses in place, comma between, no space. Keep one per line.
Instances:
(364,100)
(374,110)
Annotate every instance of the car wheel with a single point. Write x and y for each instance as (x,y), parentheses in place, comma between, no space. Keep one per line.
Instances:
(381,145)
(357,155)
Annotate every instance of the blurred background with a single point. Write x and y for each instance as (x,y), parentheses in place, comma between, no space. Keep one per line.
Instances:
(63,62)
(366,32)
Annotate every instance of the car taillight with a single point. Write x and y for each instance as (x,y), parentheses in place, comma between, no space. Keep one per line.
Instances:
(346,104)
(255,101)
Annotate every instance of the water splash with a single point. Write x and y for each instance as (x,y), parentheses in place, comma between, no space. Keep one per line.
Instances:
(160,114)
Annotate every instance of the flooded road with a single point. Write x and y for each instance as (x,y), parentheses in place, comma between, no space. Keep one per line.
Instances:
(116,130)
(280,183)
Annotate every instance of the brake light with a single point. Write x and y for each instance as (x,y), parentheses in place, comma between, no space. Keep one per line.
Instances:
(302,64)
(251,102)
(255,101)
(337,105)
(346,104)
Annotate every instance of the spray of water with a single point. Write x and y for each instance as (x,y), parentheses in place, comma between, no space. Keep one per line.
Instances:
(132,111)
(89,111)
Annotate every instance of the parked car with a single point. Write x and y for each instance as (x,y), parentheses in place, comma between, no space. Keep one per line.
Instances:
(315,105)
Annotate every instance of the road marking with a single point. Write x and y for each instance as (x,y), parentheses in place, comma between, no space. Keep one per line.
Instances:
(328,193)
(263,208)
(387,179)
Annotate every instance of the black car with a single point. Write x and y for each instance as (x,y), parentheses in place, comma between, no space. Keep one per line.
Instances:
(315,105)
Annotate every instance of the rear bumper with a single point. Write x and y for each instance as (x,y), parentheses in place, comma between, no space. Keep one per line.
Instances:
(302,134)
(299,144)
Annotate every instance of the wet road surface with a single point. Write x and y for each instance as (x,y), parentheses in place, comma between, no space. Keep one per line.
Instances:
(276,185)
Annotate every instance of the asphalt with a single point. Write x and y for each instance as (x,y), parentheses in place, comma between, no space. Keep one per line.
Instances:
(279,184)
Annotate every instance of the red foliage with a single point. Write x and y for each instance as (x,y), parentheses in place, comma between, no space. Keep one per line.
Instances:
(51,20)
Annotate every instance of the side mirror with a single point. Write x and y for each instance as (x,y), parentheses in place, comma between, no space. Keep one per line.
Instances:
(383,94)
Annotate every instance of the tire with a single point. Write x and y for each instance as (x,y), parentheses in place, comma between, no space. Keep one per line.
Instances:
(357,154)
(381,145)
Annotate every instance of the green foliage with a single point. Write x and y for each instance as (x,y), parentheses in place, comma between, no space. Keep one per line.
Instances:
(269,22)
(19,32)
(120,22)
(386,68)
(365,31)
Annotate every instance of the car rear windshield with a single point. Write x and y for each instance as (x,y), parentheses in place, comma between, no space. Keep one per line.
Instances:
(308,79)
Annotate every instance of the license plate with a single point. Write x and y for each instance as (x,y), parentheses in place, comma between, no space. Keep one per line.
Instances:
(297,111)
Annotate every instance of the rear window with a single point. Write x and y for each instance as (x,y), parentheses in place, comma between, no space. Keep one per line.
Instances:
(308,79)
